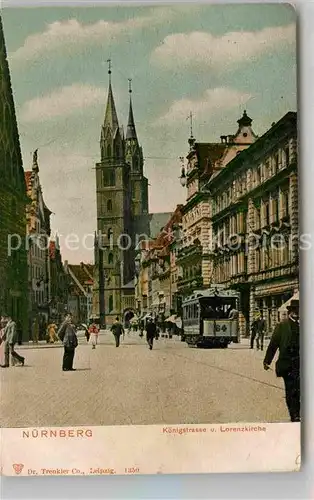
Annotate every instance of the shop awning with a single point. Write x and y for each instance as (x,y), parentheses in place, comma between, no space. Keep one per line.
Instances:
(284,306)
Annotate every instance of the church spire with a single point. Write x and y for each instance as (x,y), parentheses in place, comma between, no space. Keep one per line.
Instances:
(111,118)
(131,131)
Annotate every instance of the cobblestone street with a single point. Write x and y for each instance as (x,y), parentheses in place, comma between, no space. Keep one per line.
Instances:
(133,385)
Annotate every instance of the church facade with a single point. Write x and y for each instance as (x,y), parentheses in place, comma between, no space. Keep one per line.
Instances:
(122,216)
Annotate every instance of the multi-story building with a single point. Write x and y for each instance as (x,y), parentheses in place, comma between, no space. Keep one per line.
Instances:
(58,283)
(122,215)
(13,255)
(80,291)
(255,223)
(38,232)
(202,161)
(157,277)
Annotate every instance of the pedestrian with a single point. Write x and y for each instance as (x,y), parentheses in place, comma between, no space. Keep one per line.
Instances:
(117,329)
(286,339)
(151,332)
(51,333)
(67,335)
(35,331)
(94,331)
(258,331)
(141,328)
(10,339)
(86,331)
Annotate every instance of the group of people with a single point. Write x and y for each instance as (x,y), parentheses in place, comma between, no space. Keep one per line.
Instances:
(151,331)
(286,340)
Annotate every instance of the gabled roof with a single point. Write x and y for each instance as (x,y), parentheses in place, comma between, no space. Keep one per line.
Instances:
(81,274)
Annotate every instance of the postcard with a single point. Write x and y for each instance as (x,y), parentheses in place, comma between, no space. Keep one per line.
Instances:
(149,251)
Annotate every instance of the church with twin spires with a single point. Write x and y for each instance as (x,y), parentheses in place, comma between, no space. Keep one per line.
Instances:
(122,215)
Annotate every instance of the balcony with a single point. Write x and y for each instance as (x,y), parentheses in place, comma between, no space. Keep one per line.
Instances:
(190,283)
(190,251)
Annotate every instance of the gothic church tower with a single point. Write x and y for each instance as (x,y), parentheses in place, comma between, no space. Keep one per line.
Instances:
(113,256)
(139,183)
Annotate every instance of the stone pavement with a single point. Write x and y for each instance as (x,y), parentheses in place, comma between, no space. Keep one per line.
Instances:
(133,385)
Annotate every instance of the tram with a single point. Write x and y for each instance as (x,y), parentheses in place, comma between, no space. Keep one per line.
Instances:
(211,317)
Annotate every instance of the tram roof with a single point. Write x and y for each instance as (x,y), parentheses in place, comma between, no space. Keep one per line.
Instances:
(216,291)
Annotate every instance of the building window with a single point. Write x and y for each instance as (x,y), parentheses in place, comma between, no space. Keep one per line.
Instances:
(110,303)
(109,177)
(267,213)
(287,156)
(109,206)
(109,233)
(276,163)
(109,151)
(110,258)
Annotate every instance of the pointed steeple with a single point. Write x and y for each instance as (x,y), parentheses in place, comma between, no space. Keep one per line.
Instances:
(131,131)
(111,118)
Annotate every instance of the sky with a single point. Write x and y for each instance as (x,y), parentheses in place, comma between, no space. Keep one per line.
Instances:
(213,60)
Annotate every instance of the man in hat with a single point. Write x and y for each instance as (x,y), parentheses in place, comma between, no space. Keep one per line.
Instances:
(258,331)
(10,339)
(151,331)
(117,330)
(286,339)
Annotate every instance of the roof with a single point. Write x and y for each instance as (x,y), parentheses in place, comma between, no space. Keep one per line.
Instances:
(131,131)
(111,118)
(128,285)
(288,119)
(81,273)
(157,222)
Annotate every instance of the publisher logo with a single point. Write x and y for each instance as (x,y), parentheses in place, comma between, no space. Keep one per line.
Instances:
(18,468)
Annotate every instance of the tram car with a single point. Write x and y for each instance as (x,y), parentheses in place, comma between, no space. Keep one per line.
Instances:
(211,317)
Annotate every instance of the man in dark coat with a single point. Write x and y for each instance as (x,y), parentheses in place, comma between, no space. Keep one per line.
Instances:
(117,330)
(258,332)
(67,335)
(286,338)
(151,331)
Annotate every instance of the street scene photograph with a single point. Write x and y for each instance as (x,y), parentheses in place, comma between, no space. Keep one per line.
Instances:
(149,224)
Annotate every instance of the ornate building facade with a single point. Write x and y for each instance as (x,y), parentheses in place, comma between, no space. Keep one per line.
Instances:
(80,291)
(58,283)
(38,233)
(203,160)
(13,262)
(156,286)
(122,215)
(255,223)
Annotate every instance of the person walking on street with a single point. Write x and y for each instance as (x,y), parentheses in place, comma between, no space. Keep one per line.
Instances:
(258,332)
(35,331)
(286,339)
(51,333)
(117,329)
(10,339)
(151,332)
(67,335)
(94,331)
